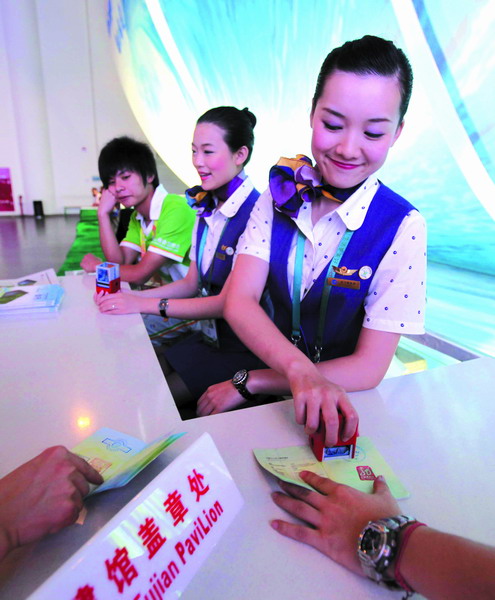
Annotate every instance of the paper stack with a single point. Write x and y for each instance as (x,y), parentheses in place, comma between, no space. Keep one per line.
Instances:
(34,294)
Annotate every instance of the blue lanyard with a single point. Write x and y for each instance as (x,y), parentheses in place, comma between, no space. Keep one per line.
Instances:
(201,250)
(296,291)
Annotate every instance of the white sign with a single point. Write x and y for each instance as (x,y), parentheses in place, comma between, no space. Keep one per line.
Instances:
(154,546)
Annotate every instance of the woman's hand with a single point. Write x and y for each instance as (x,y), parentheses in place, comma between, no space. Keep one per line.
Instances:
(219,398)
(317,398)
(334,514)
(118,303)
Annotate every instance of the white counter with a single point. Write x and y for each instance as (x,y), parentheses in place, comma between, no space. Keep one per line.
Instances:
(434,429)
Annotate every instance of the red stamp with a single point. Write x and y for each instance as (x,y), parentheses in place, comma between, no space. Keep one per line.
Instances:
(366,473)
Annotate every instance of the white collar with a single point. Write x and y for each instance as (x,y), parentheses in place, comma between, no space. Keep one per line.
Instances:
(156,204)
(353,210)
(230,207)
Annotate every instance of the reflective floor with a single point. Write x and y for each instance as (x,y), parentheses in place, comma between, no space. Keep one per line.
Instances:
(28,245)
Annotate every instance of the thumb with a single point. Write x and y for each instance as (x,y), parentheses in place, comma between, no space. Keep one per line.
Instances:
(380,486)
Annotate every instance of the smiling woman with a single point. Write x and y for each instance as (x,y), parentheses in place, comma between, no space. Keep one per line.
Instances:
(355,122)
(222,145)
(343,256)
(214,161)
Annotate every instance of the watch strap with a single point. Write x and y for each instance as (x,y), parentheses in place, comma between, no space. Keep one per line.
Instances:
(163,307)
(240,385)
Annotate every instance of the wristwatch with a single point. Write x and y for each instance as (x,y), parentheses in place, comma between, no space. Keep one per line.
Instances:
(378,546)
(163,307)
(239,382)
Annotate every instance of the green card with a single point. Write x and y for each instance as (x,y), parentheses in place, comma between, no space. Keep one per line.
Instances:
(358,472)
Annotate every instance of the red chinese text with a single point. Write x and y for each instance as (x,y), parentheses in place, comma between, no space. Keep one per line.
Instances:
(121,570)
(85,593)
(173,505)
(196,484)
(151,536)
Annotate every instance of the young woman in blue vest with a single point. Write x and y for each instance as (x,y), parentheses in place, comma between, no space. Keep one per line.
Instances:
(343,256)
(222,145)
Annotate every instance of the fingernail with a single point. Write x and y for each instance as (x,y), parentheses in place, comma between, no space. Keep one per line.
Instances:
(274,524)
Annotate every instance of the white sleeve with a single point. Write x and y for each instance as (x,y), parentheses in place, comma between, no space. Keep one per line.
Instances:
(192,250)
(256,238)
(397,295)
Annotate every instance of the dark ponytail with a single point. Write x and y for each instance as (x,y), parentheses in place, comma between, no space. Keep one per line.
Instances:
(237,124)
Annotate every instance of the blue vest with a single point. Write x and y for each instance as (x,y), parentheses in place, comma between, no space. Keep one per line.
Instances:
(345,310)
(221,265)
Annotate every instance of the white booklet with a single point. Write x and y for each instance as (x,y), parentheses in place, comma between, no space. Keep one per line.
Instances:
(36,293)
(39,278)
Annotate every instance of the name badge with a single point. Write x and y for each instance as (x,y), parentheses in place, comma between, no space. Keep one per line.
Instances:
(209,332)
(344,283)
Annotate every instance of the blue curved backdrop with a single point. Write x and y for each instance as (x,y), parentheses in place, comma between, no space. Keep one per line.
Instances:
(177,58)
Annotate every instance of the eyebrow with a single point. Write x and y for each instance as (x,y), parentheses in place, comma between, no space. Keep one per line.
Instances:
(341,116)
(202,145)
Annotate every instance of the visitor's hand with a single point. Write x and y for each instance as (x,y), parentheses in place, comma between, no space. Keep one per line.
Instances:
(90,262)
(334,514)
(314,398)
(118,303)
(43,495)
(219,398)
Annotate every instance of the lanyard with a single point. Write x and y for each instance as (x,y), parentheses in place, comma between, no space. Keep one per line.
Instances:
(296,291)
(201,250)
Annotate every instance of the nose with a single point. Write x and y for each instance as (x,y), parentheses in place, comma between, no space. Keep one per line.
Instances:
(348,146)
(197,160)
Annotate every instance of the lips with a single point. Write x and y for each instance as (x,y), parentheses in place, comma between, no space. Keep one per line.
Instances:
(344,166)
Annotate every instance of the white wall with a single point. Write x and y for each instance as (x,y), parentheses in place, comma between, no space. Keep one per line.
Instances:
(61,101)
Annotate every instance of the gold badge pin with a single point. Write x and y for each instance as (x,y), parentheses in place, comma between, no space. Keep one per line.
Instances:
(344,271)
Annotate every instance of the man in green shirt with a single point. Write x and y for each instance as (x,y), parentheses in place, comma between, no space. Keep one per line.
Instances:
(160,229)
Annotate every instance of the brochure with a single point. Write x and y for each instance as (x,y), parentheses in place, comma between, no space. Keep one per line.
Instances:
(37,293)
(119,457)
(40,278)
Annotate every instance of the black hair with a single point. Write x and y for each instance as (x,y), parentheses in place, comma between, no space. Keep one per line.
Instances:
(124,153)
(237,124)
(369,55)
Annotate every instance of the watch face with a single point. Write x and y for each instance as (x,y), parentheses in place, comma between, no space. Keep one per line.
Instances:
(239,377)
(372,543)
